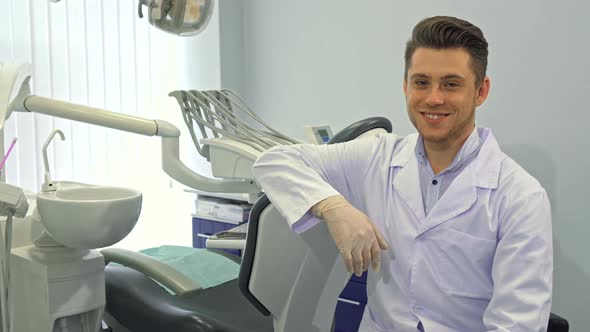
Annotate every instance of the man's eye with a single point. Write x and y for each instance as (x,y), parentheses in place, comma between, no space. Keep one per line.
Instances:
(452,85)
(421,83)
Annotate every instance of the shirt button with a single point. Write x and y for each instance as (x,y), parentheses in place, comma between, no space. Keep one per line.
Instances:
(434,182)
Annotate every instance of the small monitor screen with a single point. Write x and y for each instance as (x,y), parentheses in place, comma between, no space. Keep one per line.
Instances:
(323,132)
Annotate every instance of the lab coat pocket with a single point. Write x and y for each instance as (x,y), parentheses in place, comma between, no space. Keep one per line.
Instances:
(464,266)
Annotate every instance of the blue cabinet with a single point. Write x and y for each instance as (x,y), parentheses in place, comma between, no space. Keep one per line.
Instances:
(351,305)
(204,228)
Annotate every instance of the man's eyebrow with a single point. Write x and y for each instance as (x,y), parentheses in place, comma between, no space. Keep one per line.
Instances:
(452,76)
(414,76)
(444,78)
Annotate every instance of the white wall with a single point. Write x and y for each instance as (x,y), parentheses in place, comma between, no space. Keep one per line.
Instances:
(337,61)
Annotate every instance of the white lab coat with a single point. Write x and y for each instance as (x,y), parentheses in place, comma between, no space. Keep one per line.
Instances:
(481,260)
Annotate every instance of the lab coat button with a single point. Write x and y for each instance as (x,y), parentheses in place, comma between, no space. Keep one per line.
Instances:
(434,182)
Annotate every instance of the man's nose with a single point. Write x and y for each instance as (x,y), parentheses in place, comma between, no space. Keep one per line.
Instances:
(435,97)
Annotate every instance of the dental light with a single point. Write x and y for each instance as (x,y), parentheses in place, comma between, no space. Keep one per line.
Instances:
(183,18)
(178,17)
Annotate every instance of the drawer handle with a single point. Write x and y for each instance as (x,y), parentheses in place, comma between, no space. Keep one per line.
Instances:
(349,301)
(203,235)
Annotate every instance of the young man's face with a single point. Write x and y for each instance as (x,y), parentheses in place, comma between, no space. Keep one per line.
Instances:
(442,95)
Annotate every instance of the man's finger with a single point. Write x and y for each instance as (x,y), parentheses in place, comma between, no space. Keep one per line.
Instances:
(366,257)
(376,256)
(347,257)
(382,243)
(357,260)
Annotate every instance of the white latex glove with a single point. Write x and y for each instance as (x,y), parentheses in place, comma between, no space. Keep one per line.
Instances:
(359,241)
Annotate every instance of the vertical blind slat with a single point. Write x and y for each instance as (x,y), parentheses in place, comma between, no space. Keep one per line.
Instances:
(60,88)
(10,127)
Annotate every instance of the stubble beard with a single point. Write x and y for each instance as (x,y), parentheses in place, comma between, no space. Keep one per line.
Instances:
(453,133)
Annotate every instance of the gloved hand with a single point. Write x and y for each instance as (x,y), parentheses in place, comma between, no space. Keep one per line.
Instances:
(359,241)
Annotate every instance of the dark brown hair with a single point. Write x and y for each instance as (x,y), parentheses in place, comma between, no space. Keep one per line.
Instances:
(442,32)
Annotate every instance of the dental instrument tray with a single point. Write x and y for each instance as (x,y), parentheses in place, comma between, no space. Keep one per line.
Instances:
(226,132)
(238,232)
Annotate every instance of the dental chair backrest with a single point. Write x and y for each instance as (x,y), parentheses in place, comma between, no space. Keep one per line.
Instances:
(296,278)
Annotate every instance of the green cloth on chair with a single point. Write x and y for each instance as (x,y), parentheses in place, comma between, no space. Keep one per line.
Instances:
(201,265)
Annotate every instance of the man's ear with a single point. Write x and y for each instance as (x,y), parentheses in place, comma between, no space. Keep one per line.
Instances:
(483,91)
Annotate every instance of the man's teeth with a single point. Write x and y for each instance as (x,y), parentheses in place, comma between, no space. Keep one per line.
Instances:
(434,116)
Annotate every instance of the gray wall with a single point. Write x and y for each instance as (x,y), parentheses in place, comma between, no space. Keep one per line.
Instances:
(231,44)
(337,61)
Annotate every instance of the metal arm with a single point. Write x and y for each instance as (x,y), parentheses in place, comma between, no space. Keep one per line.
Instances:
(171,163)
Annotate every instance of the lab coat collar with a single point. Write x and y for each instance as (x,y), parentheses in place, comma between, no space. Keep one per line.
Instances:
(461,195)
(407,180)
(486,167)
(408,148)
(407,183)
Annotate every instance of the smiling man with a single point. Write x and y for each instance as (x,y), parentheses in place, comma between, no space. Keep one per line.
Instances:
(465,232)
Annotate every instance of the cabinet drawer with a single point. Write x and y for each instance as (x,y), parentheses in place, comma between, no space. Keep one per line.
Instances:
(355,292)
(205,226)
(348,315)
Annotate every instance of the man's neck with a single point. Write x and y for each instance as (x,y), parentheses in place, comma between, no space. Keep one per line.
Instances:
(441,155)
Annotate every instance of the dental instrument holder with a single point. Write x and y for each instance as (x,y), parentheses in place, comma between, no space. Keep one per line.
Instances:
(12,201)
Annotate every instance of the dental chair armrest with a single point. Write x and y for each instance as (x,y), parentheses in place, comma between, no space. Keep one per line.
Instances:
(160,272)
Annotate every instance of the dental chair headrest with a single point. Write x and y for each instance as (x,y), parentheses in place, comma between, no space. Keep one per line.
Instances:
(358,128)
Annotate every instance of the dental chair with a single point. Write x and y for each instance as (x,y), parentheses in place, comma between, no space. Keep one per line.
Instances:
(287,282)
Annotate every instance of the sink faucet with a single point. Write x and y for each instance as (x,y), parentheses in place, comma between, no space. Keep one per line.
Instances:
(48,185)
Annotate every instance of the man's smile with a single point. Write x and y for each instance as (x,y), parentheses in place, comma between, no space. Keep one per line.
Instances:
(432,117)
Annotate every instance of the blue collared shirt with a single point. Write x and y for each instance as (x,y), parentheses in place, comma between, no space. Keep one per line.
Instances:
(434,186)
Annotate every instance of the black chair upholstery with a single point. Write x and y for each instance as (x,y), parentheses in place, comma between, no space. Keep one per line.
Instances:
(140,304)
(360,127)
(557,324)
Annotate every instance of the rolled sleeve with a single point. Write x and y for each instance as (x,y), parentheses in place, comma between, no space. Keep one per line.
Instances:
(296,177)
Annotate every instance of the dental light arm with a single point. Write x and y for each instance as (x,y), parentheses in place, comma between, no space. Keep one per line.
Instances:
(171,163)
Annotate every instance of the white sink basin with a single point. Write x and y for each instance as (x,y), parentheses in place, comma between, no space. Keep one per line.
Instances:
(89,217)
